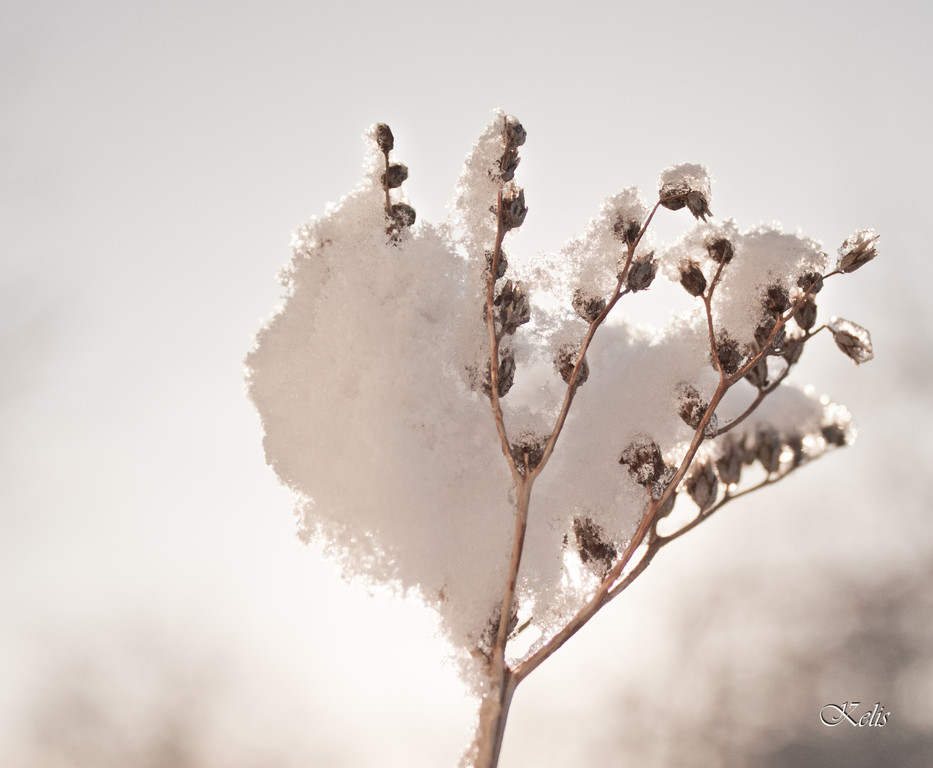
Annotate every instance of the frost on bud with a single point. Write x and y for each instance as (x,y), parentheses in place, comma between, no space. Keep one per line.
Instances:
(384,138)
(810,282)
(703,486)
(720,250)
(775,300)
(641,273)
(566,360)
(768,449)
(691,408)
(402,215)
(763,335)
(729,464)
(395,176)
(587,306)
(626,229)
(727,352)
(528,450)
(686,185)
(514,309)
(692,278)
(515,133)
(857,250)
(852,339)
(513,209)
(502,264)
(595,549)
(805,313)
(643,458)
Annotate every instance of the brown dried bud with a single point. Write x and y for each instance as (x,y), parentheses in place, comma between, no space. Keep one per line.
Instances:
(594,547)
(768,449)
(528,448)
(402,215)
(513,209)
(515,133)
(720,250)
(566,360)
(691,408)
(514,309)
(776,301)
(792,350)
(852,339)
(763,333)
(810,282)
(626,230)
(384,138)
(508,164)
(805,313)
(729,464)
(395,175)
(641,273)
(698,205)
(502,264)
(587,306)
(857,250)
(643,458)
(835,434)
(757,375)
(727,351)
(692,278)
(703,486)
(506,373)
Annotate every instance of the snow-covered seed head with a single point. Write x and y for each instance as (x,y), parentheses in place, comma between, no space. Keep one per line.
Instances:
(395,175)
(703,486)
(690,406)
(384,138)
(514,309)
(594,547)
(720,250)
(402,215)
(692,278)
(566,359)
(641,273)
(857,250)
(852,339)
(528,449)
(686,185)
(643,459)
(727,352)
(587,305)
(810,282)
(626,229)
(776,300)
(513,209)
(515,133)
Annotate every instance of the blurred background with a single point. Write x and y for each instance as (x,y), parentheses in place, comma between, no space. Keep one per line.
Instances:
(157,609)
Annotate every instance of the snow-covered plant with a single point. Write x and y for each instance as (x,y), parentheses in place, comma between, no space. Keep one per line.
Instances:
(494,435)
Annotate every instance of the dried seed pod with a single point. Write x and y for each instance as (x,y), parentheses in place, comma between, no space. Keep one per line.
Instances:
(757,375)
(515,133)
(641,273)
(776,300)
(502,264)
(835,434)
(506,372)
(729,464)
(763,334)
(513,209)
(810,282)
(594,547)
(768,448)
(395,176)
(626,229)
(698,204)
(686,184)
(720,250)
(384,138)
(692,278)
(514,309)
(402,215)
(805,313)
(588,306)
(566,360)
(857,250)
(703,486)
(691,408)
(528,448)
(643,458)
(727,351)
(508,164)
(852,339)
(792,350)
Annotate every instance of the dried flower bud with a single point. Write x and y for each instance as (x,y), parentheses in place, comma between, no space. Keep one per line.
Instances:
(692,278)
(641,273)
(402,215)
(805,313)
(594,547)
(688,185)
(587,306)
(757,375)
(776,301)
(513,209)
(691,408)
(395,175)
(508,164)
(857,250)
(566,360)
(698,205)
(729,464)
(384,138)
(768,449)
(506,373)
(703,486)
(763,334)
(727,351)
(627,230)
(643,458)
(657,488)
(852,339)
(502,264)
(514,309)
(792,350)
(720,250)
(515,133)
(810,282)
(835,434)
(528,448)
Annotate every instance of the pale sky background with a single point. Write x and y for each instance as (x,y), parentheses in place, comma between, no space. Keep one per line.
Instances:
(154,159)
